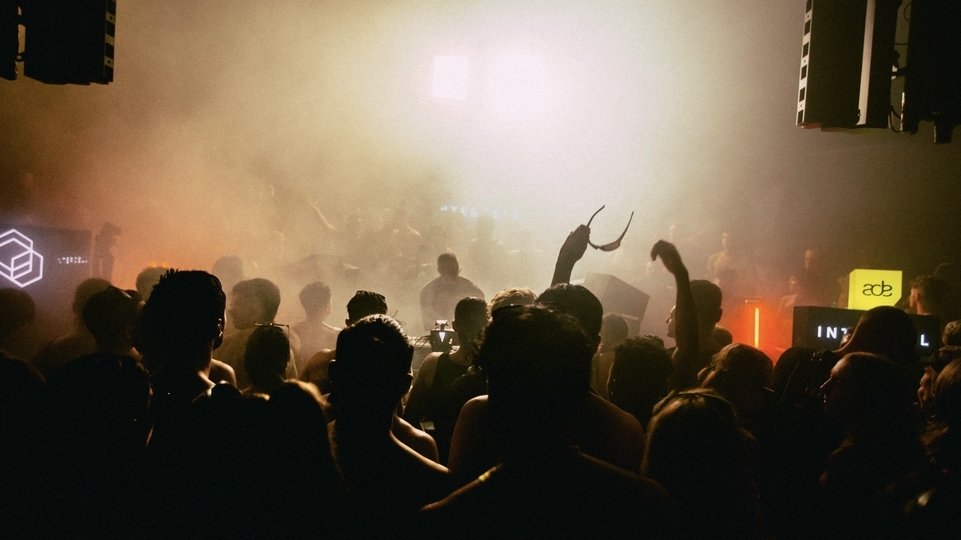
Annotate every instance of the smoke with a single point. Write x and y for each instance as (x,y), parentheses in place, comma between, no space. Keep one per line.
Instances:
(229,122)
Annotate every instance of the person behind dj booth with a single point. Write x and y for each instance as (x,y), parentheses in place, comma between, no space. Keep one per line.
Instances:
(430,395)
(802,436)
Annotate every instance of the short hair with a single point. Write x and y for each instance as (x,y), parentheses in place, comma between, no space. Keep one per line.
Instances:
(577,301)
(887,331)
(266,356)
(722,336)
(17,310)
(371,354)
(366,303)
(314,297)
(740,365)
(85,290)
(707,301)
(614,327)
(538,364)
(952,334)
(147,278)
(182,312)
(265,292)
(471,317)
(447,261)
(932,290)
(515,296)
(109,313)
(639,375)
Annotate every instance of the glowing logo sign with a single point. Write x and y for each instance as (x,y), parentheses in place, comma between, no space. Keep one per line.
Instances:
(19,263)
(872,288)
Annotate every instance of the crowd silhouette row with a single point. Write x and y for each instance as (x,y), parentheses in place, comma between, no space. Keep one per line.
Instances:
(182,409)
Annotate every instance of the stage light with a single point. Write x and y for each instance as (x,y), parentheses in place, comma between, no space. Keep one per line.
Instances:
(519,85)
(451,77)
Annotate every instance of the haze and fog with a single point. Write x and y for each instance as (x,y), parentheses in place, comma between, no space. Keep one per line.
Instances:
(227,118)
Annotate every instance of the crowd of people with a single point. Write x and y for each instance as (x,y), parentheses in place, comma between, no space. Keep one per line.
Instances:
(182,409)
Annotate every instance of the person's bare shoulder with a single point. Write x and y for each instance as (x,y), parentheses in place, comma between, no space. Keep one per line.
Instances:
(315,370)
(417,440)
(222,372)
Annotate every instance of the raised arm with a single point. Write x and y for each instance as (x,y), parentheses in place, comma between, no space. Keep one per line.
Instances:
(571,252)
(685,318)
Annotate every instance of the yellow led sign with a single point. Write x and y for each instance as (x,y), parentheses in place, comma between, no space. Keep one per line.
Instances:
(872,288)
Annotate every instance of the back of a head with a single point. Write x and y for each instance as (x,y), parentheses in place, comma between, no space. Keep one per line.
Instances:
(85,290)
(577,301)
(881,399)
(109,314)
(17,310)
(697,451)
(931,291)
(738,365)
(366,303)
(147,278)
(952,334)
(183,312)
(470,314)
(947,392)
(639,375)
(538,364)
(516,296)
(707,300)
(447,264)
(266,293)
(315,297)
(229,269)
(722,336)
(886,331)
(614,330)
(372,355)
(267,356)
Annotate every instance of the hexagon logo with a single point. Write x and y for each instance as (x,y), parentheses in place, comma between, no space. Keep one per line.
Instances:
(19,263)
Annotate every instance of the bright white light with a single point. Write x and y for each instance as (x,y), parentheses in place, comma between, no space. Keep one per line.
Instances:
(451,77)
(519,85)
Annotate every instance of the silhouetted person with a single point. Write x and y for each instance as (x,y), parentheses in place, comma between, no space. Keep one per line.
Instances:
(181,324)
(867,395)
(266,359)
(314,333)
(639,376)
(538,364)
(252,302)
(697,451)
(929,297)
(430,396)
(20,384)
(146,280)
(76,343)
(362,304)
(743,376)
(439,297)
(93,430)
(802,435)
(613,332)
(600,429)
(387,481)
(109,316)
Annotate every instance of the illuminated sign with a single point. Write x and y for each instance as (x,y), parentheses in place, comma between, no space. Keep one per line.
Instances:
(872,288)
(823,328)
(19,263)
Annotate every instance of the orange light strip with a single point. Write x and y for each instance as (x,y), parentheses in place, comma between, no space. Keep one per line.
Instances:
(757,328)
